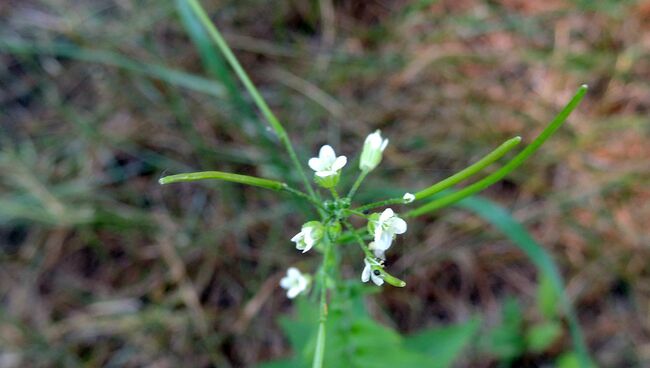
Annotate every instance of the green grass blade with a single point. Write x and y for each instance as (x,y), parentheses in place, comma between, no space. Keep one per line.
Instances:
(517,233)
(252,90)
(213,62)
(218,175)
(216,66)
(160,72)
(479,165)
(507,168)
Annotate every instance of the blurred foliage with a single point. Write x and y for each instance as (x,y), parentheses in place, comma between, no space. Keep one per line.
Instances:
(102,267)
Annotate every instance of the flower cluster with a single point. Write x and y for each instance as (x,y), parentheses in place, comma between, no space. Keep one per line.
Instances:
(383,227)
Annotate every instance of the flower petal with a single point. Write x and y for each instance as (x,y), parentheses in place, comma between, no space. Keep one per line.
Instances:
(325,173)
(339,163)
(308,246)
(378,234)
(384,144)
(316,164)
(365,274)
(293,292)
(397,225)
(293,273)
(286,282)
(388,213)
(296,238)
(327,155)
(377,280)
(385,241)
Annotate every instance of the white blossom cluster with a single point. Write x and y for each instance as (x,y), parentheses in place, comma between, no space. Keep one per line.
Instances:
(383,226)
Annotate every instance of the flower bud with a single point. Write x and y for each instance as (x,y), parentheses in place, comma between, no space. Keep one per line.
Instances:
(373,149)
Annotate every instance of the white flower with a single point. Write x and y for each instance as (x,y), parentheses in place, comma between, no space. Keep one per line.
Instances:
(294,282)
(373,149)
(368,273)
(379,253)
(386,227)
(327,164)
(310,234)
(408,197)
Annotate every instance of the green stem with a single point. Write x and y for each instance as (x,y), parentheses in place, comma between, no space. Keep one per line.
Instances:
(360,241)
(319,354)
(355,212)
(302,195)
(357,183)
(385,202)
(507,168)
(490,158)
(250,87)
(487,160)
(335,194)
(219,175)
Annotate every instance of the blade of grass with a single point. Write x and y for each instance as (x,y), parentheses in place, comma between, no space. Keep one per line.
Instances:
(252,90)
(517,233)
(172,76)
(508,167)
(216,66)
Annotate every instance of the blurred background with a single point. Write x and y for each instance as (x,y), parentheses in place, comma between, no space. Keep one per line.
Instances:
(101,266)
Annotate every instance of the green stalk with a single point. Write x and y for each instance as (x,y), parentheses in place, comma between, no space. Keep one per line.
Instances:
(241,179)
(357,183)
(319,354)
(385,202)
(507,168)
(252,90)
(219,175)
(481,164)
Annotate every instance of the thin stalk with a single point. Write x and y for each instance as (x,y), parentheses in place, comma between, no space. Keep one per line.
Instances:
(487,160)
(357,183)
(252,90)
(335,194)
(356,213)
(385,202)
(219,175)
(508,167)
(359,240)
(319,354)
(302,195)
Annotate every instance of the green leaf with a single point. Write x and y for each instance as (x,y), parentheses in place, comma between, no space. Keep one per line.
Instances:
(506,340)
(171,76)
(539,337)
(571,360)
(504,222)
(445,344)
(282,363)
